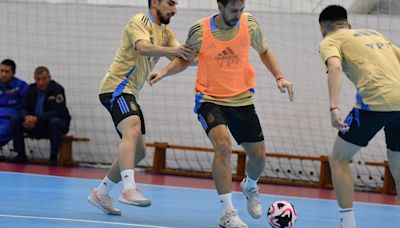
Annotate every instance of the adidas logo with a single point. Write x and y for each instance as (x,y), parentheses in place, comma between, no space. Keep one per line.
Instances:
(227,58)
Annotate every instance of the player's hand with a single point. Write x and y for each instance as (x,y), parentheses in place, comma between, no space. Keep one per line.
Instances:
(192,58)
(284,85)
(337,121)
(154,77)
(184,52)
(30,122)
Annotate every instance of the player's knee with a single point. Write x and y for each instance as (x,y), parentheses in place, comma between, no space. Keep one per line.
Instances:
(335,160)
(259,156)
(132,134)
(223,150)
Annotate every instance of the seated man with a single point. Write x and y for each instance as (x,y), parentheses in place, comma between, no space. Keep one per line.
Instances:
(12,91)
(44,114)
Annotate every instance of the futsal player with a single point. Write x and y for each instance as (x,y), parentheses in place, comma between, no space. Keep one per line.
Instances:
(372,63)
(224,97)
(145,39)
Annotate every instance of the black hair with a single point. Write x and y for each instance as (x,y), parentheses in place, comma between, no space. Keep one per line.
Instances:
(149,3)
(225,2)
(10,63)
(41,69)
(333,13)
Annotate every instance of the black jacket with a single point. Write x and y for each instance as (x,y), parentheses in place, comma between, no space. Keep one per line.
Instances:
(54,103)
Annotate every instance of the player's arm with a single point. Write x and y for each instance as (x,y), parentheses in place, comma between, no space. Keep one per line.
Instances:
(138,31)
(173,42)
(335,78)
(330,51)
(260,44)
(176,66)
(190,58)
(269,60)
(143,47)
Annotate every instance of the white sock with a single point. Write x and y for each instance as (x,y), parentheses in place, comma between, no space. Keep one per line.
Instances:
(105,187)
(250,183)
(128,179)
(347,215)
(226,202)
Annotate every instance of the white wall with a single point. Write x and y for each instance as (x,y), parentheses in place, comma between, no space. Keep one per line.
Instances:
(307,6)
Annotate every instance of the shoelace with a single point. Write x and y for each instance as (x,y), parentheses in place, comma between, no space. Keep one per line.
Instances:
(254,194)
(137,193)
(234,217)
(107,199)
(232,213)
(134,190)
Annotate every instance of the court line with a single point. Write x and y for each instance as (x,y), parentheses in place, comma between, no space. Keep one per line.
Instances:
(81,220)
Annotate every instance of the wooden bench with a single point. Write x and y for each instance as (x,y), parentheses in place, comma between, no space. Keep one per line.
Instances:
(389,186)
(159,166)
(65,156)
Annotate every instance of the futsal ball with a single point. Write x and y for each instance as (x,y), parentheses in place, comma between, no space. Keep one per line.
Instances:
(281,214)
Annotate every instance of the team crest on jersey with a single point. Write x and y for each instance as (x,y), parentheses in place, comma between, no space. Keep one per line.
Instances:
(11,91)
(59,98)
(210,118)
(133,106)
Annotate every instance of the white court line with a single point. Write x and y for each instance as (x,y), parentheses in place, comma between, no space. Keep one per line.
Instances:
(81,220)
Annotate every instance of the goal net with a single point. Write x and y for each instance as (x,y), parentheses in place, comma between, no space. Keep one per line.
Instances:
(77,39)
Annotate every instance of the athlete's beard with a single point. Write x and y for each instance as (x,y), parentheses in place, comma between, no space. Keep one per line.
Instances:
(163,20)
(230,23)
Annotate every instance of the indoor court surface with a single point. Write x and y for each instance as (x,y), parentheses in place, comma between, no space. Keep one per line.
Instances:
(40,196)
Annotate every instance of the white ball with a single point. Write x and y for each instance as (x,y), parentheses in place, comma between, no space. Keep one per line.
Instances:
(281,214)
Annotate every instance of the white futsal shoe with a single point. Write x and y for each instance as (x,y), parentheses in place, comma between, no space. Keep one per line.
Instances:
(253,200)
(343,226)
(134,197)
(104,203)
(231,219)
